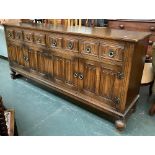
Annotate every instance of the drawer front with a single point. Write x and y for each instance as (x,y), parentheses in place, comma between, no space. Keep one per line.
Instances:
(39,38)
(133,25)
(71,44)
(28,36)
(10,34)
(18,35)
(89,47)
(54,41)
(111,50)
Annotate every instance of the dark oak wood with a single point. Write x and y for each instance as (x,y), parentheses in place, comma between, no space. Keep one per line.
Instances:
(136,25)
(95,66)
(3,127)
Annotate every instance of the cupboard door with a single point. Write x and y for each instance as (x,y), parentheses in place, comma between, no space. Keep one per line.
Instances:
(45,64)
(26,57)
(65,71)
(33,60)
(99,82)
(12,53)
(88,77)
(20,56)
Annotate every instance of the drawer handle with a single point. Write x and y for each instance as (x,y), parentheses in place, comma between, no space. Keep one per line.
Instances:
(111,53)
(9,34)
(70,45)
(81,76)
(26,58)
(150,42)
(121,26)
(75,75)
(152,28)
(54,43)
(88,49)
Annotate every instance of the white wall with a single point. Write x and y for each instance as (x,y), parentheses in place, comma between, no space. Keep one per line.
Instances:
(3,48)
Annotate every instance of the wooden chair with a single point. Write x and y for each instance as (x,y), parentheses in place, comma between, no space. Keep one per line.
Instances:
(6,120)
(152,109)
(3,127)
(148,75)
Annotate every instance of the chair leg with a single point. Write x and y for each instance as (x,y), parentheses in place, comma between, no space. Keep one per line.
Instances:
(150,89)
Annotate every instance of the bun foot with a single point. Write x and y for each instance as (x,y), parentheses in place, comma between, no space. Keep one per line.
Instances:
(120,125)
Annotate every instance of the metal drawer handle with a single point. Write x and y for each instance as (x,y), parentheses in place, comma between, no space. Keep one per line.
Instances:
(111,53)
(9,34)
(70,45)
(26,58)
(54,43)
(88,49)
(75,75)
(81,76)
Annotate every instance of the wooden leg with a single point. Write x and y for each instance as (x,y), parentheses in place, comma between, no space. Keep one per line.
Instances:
(13,74)
(120,124)
(150,89)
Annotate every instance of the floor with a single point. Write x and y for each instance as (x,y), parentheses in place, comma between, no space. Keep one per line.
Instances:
(41,112)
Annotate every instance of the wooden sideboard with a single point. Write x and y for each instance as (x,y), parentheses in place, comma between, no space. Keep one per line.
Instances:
(136,25)
(100,67)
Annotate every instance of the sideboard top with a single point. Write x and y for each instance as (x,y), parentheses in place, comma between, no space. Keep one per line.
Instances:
(101,32)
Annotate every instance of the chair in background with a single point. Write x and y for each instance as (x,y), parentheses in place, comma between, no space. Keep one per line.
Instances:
(152,108)
(148,75)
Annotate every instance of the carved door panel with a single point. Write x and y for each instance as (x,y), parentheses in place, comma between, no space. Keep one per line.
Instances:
(99,82)
(109,86)
(45,64)
(88,77)
(65,71)
(26,57)
(12,53)
(33,60)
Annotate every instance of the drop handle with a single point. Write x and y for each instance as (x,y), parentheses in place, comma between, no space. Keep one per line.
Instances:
(26,58)
(9,34)
(88,49)
(81,76)
(70,45)
(54,44)
(111,53)
(75,75)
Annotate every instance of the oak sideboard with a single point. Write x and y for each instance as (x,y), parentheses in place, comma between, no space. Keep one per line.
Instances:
(100,67)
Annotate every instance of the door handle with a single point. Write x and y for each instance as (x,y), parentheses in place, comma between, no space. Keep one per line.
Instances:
(81,76)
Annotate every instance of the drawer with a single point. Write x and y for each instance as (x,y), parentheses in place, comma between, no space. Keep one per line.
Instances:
(39,38)
(54,41)
(71,44)
(133,25)
(111,50)
(10,34)
(89,47)
(28,36)
(18,35)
